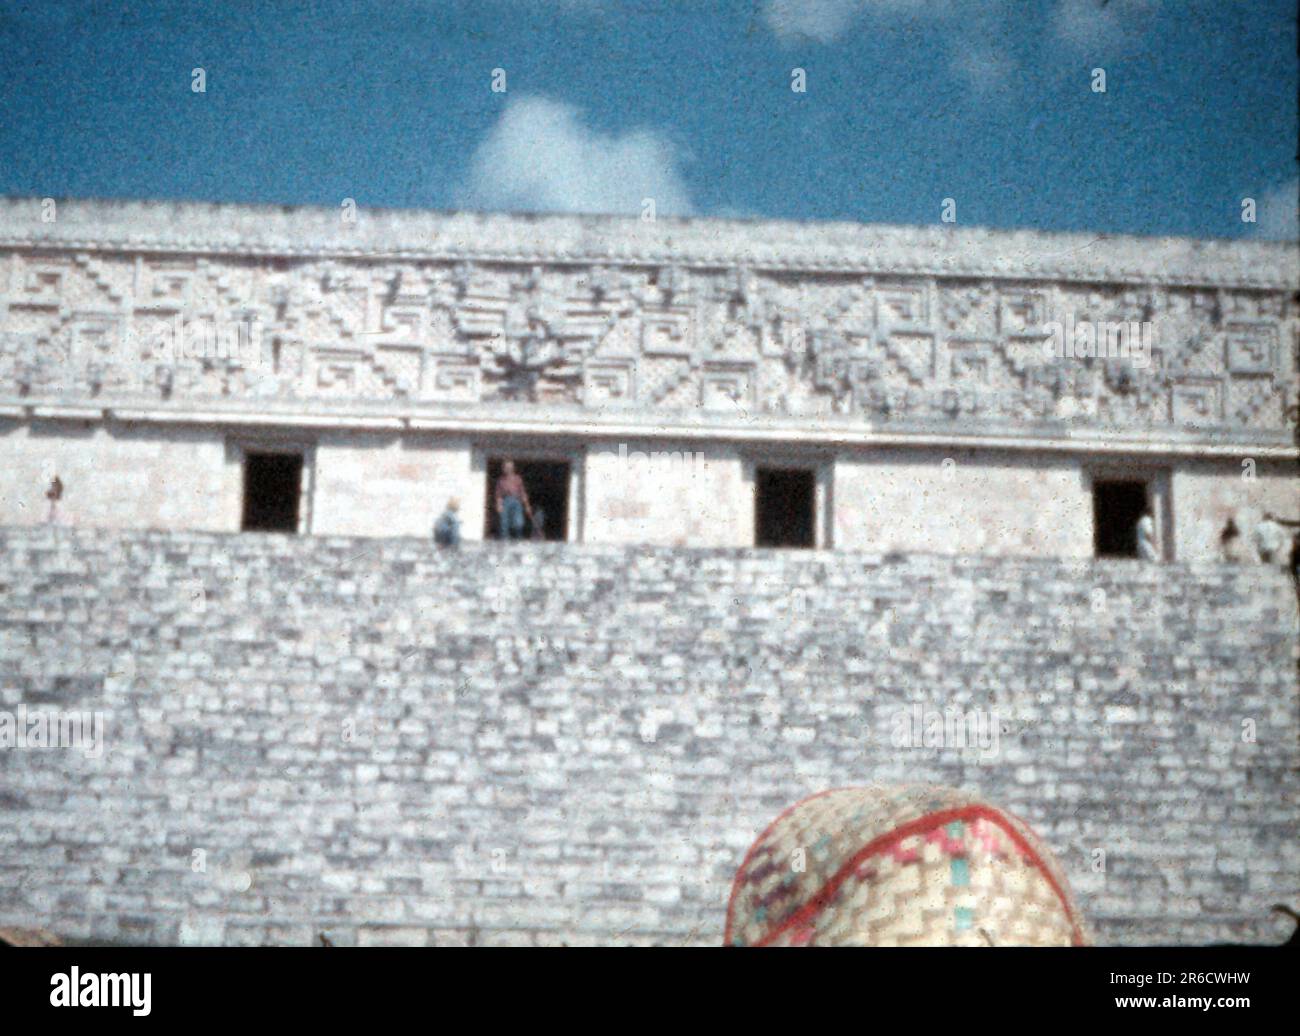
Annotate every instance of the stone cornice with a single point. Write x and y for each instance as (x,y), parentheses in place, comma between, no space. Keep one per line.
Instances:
(585,425)
(964,252)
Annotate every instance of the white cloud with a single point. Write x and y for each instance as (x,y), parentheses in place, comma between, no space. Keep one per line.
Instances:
(1277,212)
(1081,23)
(825,20)
(540,157)
(982,65)
(821,20)
(973,56)
(974,29)
(1091,23)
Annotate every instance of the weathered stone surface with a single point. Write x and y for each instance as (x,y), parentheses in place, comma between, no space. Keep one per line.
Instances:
(28,937)
(576,744)
(147,348)
(729,323)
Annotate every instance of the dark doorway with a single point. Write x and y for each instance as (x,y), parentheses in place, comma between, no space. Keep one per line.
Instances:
(785,505)
(547,485)
(1116,507)
(272,491)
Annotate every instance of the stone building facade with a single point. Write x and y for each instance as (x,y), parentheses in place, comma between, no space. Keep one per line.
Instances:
(665,382)
(351,734)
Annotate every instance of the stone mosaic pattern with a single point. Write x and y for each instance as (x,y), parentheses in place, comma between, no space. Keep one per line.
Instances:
(591,315)
(378,742)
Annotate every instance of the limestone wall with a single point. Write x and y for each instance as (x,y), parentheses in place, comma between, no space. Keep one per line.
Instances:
(963,502)
(375,485)
(637,491)
(369,739)
(119,475)
(649,492)
(1207,494)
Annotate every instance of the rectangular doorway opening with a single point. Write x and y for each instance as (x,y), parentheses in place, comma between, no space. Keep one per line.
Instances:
(547,484)
(785,507)
(1117,505)
(272,492)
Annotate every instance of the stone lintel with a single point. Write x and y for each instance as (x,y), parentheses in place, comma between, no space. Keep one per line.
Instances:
(604,429)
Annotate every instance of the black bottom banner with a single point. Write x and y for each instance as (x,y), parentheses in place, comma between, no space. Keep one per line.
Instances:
(333,987)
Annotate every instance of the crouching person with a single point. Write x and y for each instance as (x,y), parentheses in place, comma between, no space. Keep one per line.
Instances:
(446,530)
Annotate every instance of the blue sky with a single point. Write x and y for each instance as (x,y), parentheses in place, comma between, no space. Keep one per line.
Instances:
(607,102)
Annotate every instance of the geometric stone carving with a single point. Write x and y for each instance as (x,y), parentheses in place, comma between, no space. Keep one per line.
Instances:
(1252,348)
(1198,401)
(727,387)
(455,382)
(41,286)
(902,303)
(667,331)
(1021,311)
(730,337)
(338,371)
(914,354)
(609,383)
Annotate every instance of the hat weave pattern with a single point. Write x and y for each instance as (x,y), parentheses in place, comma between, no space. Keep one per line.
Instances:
(900,866)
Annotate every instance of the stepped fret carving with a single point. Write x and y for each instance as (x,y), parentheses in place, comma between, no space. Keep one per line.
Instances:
(736,340)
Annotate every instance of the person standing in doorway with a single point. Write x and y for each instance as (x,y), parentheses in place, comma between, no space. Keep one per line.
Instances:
(512,503)
(1146,533)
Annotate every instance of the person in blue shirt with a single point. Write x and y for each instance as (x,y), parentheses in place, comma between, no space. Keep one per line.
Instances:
(446,530)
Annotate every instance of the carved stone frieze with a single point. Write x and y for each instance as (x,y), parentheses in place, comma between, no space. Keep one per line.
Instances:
(740,338)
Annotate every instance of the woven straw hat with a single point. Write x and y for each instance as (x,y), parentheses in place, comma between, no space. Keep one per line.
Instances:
(900,866)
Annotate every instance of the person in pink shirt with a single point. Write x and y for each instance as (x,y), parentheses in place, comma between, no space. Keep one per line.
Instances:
(512,503)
